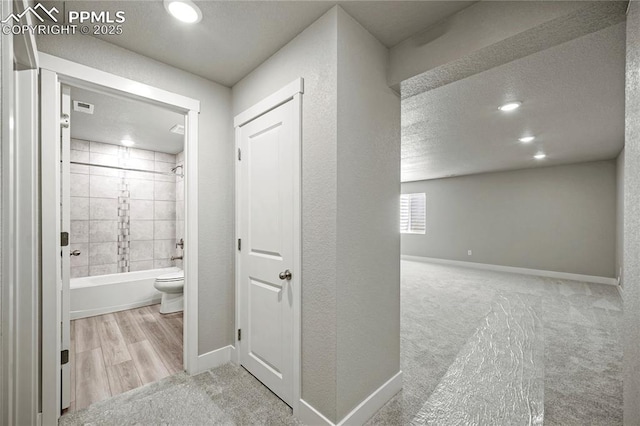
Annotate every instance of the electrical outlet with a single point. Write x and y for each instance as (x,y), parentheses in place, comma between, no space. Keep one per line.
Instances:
(469,252)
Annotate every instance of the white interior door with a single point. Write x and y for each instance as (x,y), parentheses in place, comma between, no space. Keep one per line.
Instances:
(50,146)
(65,226)
(268,182)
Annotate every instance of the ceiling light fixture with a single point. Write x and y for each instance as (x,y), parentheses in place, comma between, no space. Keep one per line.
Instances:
(183,10)
(510,106)
(527,139)
(540,156)
(127,142)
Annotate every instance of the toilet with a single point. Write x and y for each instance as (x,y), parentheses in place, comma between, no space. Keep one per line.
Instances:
(171,286)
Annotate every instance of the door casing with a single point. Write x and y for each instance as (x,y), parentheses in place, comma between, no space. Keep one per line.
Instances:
(291,92)
(53,71)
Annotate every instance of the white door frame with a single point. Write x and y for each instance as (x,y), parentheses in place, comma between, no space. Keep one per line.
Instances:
(291,92)
(20,303)
(71,73)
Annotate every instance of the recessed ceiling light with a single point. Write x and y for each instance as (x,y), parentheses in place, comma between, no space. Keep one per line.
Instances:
(510,106)
(127,142)
(527,139)
(540,156)
(183,10)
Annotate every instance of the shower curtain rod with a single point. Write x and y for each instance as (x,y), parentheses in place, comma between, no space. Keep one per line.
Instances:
(127,169)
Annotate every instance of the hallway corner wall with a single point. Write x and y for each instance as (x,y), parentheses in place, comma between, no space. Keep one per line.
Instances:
(350,190)
(631,331)
(215,257)
(312,55)
(368,289)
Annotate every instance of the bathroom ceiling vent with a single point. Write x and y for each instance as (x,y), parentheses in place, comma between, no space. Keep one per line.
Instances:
(178,129)
(85,107)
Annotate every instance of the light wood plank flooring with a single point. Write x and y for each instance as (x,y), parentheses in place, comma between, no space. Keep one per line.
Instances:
(113,353)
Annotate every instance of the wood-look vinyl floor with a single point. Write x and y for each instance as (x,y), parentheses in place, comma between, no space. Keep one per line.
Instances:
(114,353)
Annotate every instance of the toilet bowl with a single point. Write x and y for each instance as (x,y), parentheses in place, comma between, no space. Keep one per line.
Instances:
(171,286)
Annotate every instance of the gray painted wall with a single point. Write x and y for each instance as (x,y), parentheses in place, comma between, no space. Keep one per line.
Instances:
(554,218)
(620,217)
(368,288)
(631,328)
(216,287)
(312,55)
(350,296)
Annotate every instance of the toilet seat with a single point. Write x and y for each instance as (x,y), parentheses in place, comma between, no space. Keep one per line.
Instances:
(171,277)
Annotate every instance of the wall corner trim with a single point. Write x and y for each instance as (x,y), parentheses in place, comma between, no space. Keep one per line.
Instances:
(359,415)
(516,270)
(214,359)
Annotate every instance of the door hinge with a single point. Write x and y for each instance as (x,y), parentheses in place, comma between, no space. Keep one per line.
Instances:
(239,334)
(64,357)
(64,121)
(239,243)
(64,239)
(239,154)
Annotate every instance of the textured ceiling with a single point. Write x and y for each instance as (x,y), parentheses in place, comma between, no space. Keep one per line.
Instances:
(591,17)
(114,118)
(234,37)
(573,102)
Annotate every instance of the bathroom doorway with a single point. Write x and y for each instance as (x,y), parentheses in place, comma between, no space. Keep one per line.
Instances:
(119,208)
(124,207)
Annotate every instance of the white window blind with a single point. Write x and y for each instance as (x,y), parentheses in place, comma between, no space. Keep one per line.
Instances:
(413,212)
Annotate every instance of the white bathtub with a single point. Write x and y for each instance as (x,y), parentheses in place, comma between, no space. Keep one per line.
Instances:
(116,292)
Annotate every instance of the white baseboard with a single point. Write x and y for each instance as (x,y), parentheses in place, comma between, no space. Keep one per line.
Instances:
(215,358)
(621,292)
(359,415)
(110,309)
(516,270)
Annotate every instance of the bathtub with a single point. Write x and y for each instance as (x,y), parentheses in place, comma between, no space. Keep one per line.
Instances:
(103,294)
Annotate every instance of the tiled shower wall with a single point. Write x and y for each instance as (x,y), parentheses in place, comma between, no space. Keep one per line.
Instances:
(121,221)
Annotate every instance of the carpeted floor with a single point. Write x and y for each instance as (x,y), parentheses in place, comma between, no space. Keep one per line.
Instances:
(488,346)
(227,395)
(443,308)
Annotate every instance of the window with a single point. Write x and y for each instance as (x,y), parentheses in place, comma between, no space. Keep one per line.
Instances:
(413,213)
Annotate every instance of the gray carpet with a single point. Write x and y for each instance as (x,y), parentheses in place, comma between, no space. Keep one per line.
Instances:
(227,395)
(444,306)
(569,332)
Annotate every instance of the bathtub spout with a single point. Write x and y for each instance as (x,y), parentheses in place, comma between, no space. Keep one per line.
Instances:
(176,257)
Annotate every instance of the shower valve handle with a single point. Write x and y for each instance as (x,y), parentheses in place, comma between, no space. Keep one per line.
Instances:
(75,253)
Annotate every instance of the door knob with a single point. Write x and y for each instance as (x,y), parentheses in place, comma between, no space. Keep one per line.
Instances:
(75,253)
(286,275)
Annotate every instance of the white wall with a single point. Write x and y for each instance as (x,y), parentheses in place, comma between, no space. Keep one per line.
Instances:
(350,186)
(620,218)
(631,331)
(559,218)
(368,290)
(216,287)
